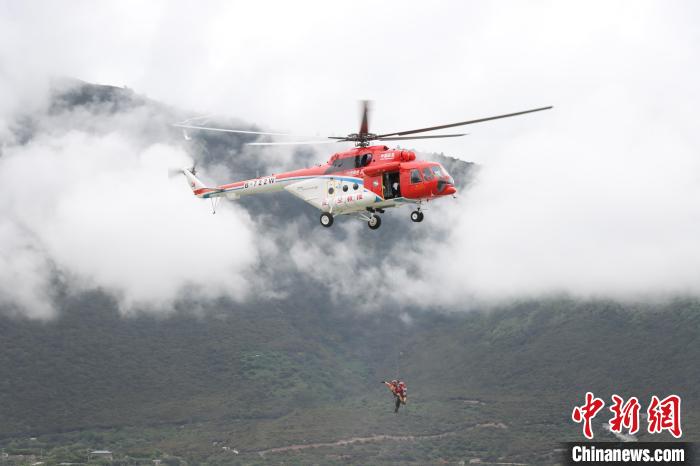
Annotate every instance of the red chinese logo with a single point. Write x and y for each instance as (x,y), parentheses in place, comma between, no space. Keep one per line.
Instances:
(587,412)
(625,415)
(661,415)
(665,415)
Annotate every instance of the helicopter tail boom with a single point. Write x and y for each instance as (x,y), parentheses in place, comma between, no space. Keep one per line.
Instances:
(199,189)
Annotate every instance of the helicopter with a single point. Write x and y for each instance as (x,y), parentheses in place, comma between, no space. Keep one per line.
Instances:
(360,182)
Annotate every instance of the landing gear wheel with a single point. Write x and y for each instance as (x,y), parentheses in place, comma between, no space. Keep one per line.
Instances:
(326,219)
(417,216)
(374,222)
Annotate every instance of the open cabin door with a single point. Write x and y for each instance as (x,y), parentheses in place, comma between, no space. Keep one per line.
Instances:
(392,184)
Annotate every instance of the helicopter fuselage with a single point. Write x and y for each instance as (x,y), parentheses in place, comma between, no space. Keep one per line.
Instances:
(360,179)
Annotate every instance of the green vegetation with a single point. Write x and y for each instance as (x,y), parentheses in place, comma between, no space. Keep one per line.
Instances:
(191,389)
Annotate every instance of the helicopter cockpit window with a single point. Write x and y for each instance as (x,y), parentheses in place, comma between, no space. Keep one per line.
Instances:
(365,160)
(415,176)
(427,174)
(440,172)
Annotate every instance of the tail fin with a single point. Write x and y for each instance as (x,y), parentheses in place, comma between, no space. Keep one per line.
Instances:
(198,188)
(194,182)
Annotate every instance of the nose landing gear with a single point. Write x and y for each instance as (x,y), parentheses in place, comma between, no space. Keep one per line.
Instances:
(374,222)
(417,216)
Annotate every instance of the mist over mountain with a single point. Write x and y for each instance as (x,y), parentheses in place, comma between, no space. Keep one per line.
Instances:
(528,226)
(133,319)
(114,221)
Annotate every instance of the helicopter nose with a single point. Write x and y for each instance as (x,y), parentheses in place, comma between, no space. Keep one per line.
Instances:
(449,190)
(446,187)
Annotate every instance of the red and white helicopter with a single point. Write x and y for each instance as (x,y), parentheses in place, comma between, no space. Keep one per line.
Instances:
(362,181)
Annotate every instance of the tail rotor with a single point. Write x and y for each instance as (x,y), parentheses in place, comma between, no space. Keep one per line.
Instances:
(173,172)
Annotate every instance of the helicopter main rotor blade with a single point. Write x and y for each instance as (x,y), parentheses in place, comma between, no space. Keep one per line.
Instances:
(293,143)
(461,123)
(364,125)
(226,130)
(400,138)
(260,133)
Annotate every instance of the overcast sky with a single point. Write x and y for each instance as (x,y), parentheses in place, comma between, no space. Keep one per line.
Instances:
(302,66)
(600,196)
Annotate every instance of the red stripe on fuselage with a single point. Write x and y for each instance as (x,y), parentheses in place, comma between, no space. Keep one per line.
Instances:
(313,171)
(199,191)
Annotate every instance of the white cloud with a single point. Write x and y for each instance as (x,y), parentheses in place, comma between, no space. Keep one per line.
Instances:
(25,272)
(599,196)
(613,212)
(102,211)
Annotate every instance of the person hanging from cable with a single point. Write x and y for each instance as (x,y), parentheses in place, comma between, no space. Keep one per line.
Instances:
(399,390)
